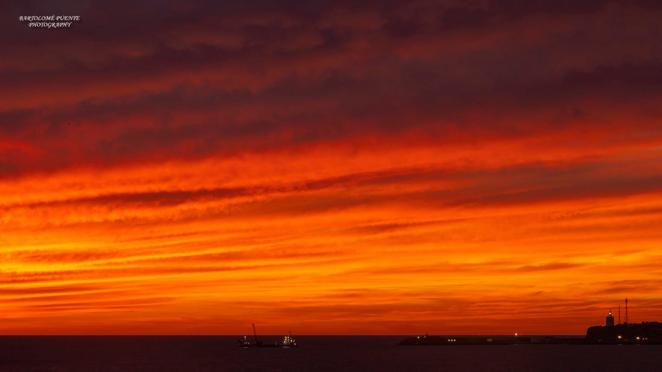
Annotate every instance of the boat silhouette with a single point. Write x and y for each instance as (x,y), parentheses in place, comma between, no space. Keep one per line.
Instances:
(287,342)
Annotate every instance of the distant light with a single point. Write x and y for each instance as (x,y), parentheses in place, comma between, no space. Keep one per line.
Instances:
(515,334)
(638,338)
(620,337)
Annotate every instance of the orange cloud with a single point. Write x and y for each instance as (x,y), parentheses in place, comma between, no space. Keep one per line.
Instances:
(325,169)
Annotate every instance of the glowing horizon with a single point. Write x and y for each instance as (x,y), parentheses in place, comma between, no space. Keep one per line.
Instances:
(330,169)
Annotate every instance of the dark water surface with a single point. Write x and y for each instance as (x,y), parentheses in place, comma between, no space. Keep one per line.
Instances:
(314,354)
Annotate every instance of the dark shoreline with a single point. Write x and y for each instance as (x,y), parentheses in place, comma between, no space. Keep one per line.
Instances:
(452,340)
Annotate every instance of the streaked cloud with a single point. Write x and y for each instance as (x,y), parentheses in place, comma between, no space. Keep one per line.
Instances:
(382,167)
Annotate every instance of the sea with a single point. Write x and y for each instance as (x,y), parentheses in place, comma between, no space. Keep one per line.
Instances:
(315,353)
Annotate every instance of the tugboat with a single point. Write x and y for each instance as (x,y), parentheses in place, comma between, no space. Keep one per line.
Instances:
(288,341)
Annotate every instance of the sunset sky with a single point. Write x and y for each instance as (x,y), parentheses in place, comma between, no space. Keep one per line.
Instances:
(345,167)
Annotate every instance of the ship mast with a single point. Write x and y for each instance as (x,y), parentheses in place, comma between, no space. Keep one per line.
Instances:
(254,333)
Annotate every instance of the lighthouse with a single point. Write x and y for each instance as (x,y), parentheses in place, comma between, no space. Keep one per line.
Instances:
(609,320)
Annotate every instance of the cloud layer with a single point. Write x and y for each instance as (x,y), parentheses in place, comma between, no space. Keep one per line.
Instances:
(330,167)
